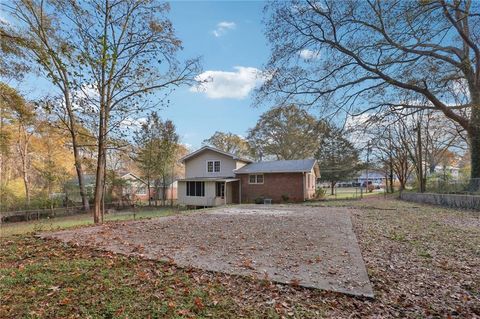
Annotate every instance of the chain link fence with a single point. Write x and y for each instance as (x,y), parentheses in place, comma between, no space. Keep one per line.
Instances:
(453,186)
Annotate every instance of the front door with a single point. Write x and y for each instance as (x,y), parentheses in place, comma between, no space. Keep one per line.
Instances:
(220,189)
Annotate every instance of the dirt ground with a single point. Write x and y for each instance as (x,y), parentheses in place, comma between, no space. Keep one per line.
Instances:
(303,246)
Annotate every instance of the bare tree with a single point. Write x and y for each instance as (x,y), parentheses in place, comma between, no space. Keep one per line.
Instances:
(126,51)
(362,55)
(40,36)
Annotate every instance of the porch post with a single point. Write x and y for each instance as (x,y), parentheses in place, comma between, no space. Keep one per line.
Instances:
(225,193)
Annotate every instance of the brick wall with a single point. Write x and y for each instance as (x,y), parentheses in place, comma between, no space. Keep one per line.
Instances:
(274,186)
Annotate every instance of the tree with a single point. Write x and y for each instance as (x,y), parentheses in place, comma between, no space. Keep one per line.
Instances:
(364,54)
(20,114)
(391,144)
(337,158)
(157,145)
(287,133)
(166,157)
(44,42)
(148,144)
(126,52)
(230,143)
(11,64)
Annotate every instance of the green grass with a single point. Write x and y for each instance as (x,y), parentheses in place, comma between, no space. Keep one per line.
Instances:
(349,193)
(58,223)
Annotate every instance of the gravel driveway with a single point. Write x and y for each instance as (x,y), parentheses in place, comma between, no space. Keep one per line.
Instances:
(307,246)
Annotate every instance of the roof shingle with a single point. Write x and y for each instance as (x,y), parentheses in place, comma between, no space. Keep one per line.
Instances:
(287,166)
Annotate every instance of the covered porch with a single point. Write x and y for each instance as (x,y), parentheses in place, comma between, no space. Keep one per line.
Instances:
(208,192)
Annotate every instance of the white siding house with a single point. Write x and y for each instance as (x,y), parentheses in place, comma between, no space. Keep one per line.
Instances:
(209,178)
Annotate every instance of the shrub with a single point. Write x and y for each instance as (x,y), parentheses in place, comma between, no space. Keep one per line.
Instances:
(320,193)
(285,198)
(259,200)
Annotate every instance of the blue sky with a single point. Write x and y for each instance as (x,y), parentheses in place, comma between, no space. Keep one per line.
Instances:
(229,37)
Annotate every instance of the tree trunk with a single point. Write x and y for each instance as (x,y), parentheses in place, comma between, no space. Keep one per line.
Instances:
(101,164)
(332,183)
(79,171)
(25,177)
(164,198)
(474,141)
(76,154)
(148,193)
(99,183)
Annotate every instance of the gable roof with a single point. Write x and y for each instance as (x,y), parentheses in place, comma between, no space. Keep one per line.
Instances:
(213,149)
(287,166)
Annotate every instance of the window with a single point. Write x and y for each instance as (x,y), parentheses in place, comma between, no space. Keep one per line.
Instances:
(196,189)
(142,190)
(255,179)
(220,189)
(213,166)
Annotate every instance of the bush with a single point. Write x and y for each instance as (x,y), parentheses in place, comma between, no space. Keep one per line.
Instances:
(259,200)
(320,193)
(285,198)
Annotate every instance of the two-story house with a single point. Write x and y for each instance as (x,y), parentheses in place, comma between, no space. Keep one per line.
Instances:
(214,177)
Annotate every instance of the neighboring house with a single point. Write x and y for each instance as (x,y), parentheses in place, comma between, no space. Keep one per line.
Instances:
(72,190)
(373,176)
(136,188)
(214,177)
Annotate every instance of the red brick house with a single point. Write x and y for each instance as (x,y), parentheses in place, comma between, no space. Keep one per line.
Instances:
(214,177)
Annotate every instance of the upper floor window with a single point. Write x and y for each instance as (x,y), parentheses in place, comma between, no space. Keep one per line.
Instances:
(213,166)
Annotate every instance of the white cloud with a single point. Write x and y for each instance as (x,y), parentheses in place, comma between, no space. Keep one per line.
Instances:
(223,27)
(307,54)
(224,84)
(131,122)
(4,20)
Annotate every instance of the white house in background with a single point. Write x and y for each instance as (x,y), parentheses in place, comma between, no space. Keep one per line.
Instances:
(209,178)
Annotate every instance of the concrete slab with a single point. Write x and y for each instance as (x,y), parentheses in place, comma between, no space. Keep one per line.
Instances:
(307,246)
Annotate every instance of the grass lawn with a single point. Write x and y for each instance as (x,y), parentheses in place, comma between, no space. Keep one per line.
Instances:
(350,193)
(76,220)
(422,260)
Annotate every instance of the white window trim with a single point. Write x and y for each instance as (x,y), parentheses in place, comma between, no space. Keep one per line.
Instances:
(256,180)
(213,161)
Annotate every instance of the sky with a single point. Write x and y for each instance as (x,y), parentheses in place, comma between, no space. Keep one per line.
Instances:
(229,38)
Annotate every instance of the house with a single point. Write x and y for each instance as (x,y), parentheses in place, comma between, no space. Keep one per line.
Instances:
(133,187)
(375,177)
(214,177)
